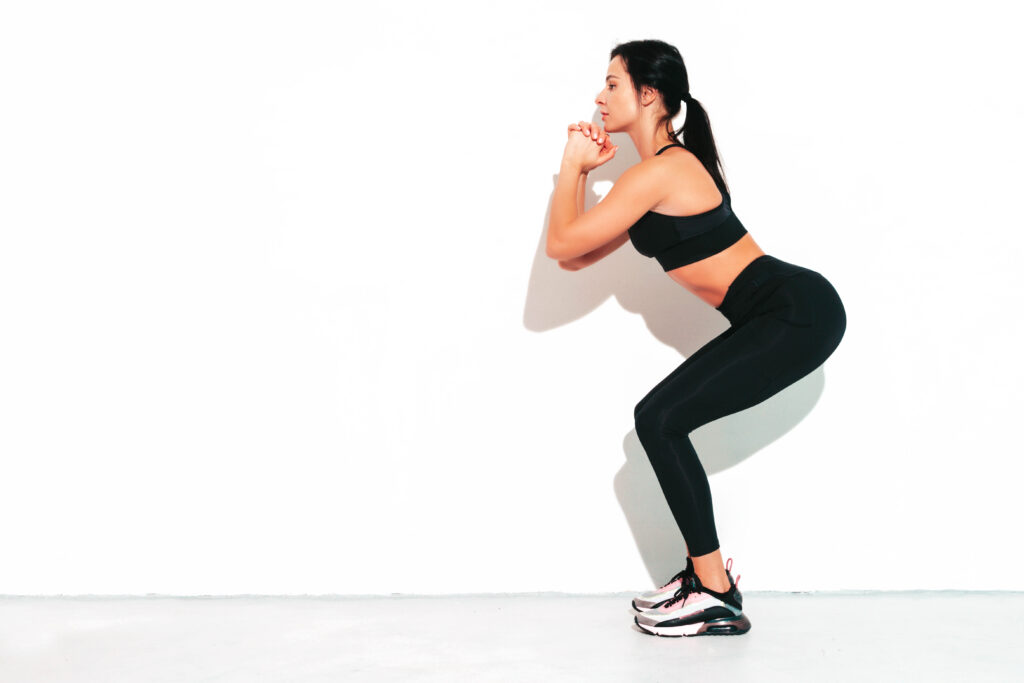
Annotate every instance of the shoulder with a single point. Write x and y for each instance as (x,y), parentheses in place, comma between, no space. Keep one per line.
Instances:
(678,158)
(641,186)
(645,177)
(650,181)
(665,167)
(684,164)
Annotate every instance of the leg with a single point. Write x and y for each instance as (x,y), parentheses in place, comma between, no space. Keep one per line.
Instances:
(711,571)
(692,358)
(741,369)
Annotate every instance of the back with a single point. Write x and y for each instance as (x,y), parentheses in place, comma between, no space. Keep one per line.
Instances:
(680,240)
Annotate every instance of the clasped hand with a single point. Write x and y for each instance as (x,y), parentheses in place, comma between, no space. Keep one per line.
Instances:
(588,146)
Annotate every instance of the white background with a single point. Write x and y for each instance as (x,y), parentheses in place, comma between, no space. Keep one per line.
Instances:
(275,314)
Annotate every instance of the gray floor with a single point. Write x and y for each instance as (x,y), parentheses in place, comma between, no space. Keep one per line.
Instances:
(908,636)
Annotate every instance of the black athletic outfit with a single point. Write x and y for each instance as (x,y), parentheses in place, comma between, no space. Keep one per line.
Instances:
(785,321)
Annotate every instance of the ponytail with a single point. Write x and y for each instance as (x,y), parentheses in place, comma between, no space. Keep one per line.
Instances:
(658,65)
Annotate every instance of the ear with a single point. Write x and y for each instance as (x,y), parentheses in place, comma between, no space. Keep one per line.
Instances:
(648,94)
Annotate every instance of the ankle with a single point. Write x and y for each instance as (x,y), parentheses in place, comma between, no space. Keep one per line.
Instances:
(711,571)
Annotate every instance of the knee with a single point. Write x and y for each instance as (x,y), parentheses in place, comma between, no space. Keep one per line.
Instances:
(654,421)
(649,420)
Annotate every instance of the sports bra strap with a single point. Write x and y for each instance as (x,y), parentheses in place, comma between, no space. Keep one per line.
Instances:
(725,193)
(671,144)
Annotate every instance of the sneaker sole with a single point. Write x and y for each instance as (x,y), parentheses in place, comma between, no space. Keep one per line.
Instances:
(726,626)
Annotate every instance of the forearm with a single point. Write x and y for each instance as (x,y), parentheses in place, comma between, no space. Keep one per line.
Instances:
(579,261)
(581,191)
(566,203)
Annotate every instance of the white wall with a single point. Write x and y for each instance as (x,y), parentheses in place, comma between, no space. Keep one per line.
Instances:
(276,315)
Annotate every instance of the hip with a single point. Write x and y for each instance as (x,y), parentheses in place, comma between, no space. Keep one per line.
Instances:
(786,291)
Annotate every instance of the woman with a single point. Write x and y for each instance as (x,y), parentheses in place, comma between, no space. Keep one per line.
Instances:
(785,319)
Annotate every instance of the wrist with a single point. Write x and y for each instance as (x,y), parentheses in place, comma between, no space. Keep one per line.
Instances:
(572,168)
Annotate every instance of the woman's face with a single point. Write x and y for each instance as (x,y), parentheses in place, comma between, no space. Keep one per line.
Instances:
(617,101)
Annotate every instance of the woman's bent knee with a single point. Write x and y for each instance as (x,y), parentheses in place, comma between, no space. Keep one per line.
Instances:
(654,421)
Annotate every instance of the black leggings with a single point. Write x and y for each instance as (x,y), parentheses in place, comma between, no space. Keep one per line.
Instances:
(785,321)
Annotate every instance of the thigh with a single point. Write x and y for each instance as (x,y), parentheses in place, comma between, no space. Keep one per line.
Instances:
(690,360)
(797,327)
(760,358)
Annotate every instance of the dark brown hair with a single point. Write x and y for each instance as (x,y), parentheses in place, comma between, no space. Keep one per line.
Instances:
(658,65)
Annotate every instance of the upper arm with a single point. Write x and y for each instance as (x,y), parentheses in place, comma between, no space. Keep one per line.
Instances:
(633,195)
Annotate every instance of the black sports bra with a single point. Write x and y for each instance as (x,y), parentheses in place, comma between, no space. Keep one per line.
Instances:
(678,240)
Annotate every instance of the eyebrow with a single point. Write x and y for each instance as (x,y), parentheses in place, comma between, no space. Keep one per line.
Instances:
(609,76)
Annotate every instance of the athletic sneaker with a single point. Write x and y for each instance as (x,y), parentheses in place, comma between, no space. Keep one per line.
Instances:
(652,599)
(695,610)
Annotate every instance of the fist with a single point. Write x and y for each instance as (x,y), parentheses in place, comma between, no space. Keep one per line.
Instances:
(589,146)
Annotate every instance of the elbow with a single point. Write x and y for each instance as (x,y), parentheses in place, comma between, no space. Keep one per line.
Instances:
(554,250)
(557,248)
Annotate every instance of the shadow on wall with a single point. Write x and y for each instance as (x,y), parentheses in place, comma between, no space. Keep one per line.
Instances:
(683,321)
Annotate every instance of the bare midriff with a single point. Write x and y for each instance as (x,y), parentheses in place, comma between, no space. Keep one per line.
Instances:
(710,278)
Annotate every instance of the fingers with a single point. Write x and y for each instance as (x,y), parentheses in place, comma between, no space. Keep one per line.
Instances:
(581,126)
(603,139)
(593,131)
(590,130)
